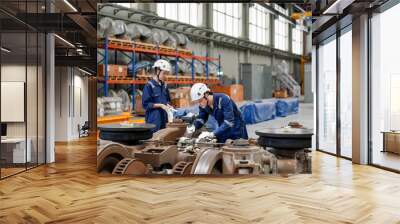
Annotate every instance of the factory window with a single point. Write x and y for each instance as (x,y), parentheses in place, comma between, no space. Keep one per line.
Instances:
(190,13)
(227,18)
(129,5)
(297,39)
(281,30)
(259,24)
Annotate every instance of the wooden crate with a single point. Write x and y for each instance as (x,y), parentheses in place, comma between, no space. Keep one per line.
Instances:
(113,70)
(235,92)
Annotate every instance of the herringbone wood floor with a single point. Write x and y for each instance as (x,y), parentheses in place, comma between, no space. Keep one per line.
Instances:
(70,191)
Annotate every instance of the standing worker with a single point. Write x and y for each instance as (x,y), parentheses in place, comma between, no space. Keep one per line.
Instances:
(230,122)
(156,98)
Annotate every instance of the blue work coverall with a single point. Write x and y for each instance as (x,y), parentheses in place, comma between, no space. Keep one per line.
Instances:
(230,122)
(155,92)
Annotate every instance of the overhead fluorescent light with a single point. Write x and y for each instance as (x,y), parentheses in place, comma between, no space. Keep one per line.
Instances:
(5,50)
(86,72)
(65,41)
(70,5)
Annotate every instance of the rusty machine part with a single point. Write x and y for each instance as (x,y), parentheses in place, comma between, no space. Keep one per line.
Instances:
(182,168)
(295,124)
(159,157)
(285,138)
(208,161)
(287,166)
(290,147)
(240,157)
(170,134)
(127,134)
(185,156)
(129,166)
(293,162)
(110,155)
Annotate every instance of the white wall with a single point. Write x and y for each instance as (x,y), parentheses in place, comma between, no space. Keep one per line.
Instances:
(71,105)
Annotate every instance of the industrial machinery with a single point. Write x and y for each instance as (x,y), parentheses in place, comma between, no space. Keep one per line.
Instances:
(176,151)
(121,141)
(290,145)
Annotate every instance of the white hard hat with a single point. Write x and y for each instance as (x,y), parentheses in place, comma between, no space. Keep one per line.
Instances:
(163,65)
(197,91)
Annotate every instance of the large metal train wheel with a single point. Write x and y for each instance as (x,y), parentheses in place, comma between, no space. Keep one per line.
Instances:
(110,156)
(209,161)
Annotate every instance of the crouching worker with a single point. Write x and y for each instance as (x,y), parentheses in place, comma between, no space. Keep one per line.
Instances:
(156,98)
(230,122)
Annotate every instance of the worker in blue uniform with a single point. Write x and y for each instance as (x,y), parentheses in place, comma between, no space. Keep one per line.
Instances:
(156,98)
(230,121)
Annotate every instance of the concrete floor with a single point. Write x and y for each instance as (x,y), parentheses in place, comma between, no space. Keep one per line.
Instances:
(304,117)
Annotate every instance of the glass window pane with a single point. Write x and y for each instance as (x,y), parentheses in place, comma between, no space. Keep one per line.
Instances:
(161,9)
(327,97)
(229,8)
(228,20)
(385,89)
(346,94)
(221,23)
(215,20)
(41,99)
(17,152)
(229,25)
(32,91)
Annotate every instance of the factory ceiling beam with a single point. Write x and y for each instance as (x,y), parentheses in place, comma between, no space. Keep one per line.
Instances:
(84,24)
(82,61)
(276,12)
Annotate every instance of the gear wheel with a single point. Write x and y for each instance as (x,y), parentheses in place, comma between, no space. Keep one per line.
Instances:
(129,166)
(182,168)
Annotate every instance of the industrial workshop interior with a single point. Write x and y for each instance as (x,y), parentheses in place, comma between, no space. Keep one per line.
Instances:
(199,112)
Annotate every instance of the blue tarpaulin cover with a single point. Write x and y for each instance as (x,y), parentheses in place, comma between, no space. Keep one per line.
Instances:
(285,107)
(258,111)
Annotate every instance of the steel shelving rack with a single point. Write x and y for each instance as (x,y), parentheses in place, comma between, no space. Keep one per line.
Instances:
(131,48)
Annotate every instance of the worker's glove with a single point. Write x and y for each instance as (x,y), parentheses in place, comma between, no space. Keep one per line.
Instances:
(164,107)
(172,108)
(190,129)
(206,135)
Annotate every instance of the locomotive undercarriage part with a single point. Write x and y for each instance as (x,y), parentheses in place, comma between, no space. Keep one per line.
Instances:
(285,138)
(110,156)
(161,157)
(129,166)
(290,147)
(170,134)
(112,153)
(182,168)
(127,134)
(241,157)
(208,161)
(293,162)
